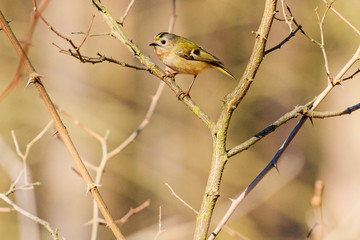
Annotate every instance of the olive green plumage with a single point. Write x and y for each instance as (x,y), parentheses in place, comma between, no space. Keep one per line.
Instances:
(184,56)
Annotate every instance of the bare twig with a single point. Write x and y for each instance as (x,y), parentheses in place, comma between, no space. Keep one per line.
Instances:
(292,34)
(127,216)
(133,211)
(78,123)
(160,225)
(316,202)
(352,75)
(93,34)
(24,156)
(33,20)
(87,34)
(46,225)
(122,19)
(180,199)
(269,129)
(61,129)
(322,43)
(286,19)
(329,5)
(310,232)
(313,114)
(273,163)
(100,59)
(56,32)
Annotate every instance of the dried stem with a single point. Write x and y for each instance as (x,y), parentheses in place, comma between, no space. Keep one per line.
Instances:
(341,17)
(86,35)
(46,225)
(25,155)
(273,163)
(322,43)
(316,202)
(100,59)
(122,19)
(77,49)
(286,19)
(61,129)
(180,199)
(160,225)
(33,20)
(219,132)
(292,34)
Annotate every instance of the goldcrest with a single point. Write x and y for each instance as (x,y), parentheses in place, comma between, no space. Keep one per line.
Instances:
(184,56)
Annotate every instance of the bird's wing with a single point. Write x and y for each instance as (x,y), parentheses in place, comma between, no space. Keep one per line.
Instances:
(198,54)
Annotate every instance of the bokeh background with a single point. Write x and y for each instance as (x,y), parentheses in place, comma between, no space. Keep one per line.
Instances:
(176,147)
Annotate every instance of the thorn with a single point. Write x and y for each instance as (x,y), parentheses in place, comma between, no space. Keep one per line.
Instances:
(311,120)
(29,81)
(274,163)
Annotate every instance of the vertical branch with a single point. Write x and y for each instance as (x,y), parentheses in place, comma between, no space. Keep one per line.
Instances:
(219,132)
(316,202)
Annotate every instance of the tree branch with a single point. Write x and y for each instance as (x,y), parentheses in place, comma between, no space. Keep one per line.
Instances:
(219,132)
(155,70)
(61,129)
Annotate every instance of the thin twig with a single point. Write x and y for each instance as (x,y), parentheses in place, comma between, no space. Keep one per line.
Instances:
(289,23)
(322,46)
(122,19)
(25,155)
(341,17)
(180,199)
(269,129)
(46,225)
(87,33)
(310,232)
(352,75)
(292,34)
(160,225)
(80,124)
(316,202)
(61,129)
(124,219)
(273,163)
(313,114)
(93,34)
(133,211)
(33,20)
(56,32)
(100,59)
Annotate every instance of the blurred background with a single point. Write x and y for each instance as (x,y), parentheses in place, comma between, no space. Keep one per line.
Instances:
(176,147)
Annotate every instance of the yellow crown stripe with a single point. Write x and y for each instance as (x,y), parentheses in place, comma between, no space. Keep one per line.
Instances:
(160,35)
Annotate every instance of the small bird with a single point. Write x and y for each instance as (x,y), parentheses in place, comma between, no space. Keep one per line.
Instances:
(184,56)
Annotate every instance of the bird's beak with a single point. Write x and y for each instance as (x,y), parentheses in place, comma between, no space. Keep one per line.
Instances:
(153,44)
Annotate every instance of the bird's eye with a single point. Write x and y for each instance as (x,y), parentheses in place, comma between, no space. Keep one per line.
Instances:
(163,41)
